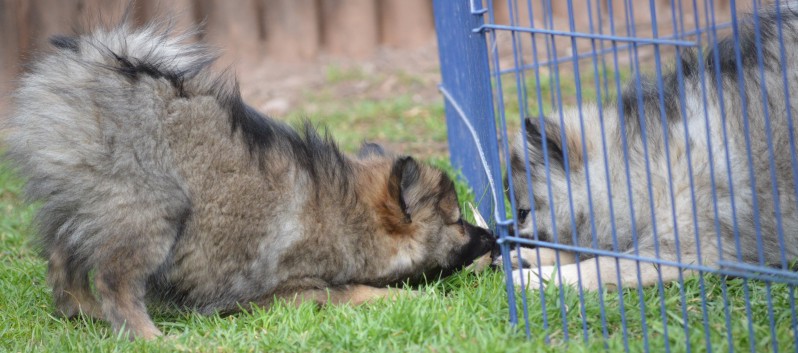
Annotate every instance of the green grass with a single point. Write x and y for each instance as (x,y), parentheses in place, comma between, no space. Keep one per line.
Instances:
(464,313)
(387,107)
(467,312)
(399,120)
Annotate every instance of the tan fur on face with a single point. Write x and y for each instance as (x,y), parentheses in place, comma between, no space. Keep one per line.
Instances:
(375,185)
(573,138)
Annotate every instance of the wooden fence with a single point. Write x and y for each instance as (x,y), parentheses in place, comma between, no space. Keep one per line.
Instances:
(248,30)
(288,30)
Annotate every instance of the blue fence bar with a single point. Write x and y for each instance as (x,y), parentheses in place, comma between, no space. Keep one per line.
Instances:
(469,110)
(464,69)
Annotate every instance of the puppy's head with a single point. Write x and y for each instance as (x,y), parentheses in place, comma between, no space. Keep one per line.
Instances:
(420,221)
(540,180)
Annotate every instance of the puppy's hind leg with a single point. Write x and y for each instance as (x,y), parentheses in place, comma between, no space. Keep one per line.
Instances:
(351,294)
(71,291)
(357,294)
(137,239)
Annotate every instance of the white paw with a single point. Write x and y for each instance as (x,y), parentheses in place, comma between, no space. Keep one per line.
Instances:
(534,278)
(527,259)
(532,258)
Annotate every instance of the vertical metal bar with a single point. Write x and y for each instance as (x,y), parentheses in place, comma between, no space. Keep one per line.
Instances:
(621,300)
(586,165)
(520,84)
(530,190)
(630,30)
(548,14)
(793,158)
(666,145)
(772,169)
(644,136)
(600,117)
(744,102)
(499,96)
(721,102)
(465,73)
(702,80)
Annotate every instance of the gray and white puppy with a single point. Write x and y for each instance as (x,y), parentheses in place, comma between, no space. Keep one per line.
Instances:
(157,181)
(696,150)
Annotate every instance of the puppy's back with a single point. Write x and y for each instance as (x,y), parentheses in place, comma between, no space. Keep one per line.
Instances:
(87,134)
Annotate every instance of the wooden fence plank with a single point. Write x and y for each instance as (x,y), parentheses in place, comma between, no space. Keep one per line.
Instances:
(184,13)
(232,26)
(290,28)
(11,31)
(349,27)
(406,24)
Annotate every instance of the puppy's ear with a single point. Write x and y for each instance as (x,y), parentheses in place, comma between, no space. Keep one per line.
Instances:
(403,185)
(534,140)
(370,149)
(65,43)
(447,198)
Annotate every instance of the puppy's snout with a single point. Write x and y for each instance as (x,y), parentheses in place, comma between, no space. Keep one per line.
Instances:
(495,252)
(491,244)
(485,238)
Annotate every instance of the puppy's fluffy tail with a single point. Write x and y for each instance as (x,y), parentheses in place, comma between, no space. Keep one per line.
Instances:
(91,110)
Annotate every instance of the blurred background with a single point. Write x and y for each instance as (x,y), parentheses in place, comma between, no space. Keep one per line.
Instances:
(262,39)
(368,69)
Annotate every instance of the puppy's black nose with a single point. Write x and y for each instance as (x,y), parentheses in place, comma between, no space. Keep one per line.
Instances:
(495,252)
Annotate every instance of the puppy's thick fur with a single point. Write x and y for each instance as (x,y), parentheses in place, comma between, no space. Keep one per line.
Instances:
(691,147)
(156,180)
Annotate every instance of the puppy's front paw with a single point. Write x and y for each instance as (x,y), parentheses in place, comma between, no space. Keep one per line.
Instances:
(534,279)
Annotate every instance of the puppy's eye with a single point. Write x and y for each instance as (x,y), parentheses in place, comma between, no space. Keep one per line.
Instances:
(522,213)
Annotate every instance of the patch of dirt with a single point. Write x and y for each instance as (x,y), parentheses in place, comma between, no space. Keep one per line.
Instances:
(277,88)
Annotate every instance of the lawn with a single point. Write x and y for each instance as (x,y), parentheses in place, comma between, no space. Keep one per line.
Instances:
(467,312)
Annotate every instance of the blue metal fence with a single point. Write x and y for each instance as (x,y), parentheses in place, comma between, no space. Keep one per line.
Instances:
(503,61)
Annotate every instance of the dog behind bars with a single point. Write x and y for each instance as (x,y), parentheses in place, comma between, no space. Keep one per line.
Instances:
(157,181)
(681,192)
